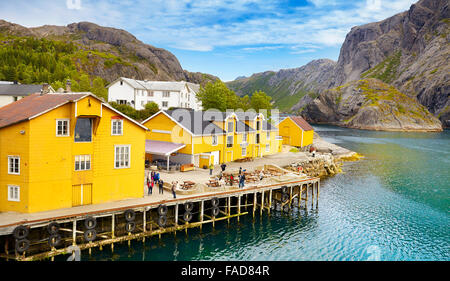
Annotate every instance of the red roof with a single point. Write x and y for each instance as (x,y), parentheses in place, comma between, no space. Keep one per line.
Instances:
(302,123)
(32,106)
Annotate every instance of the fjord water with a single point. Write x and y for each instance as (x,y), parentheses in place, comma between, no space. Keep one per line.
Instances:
(392,205)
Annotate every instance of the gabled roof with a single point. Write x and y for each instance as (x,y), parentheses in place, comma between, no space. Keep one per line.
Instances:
(35,105)
(301,123)
(32,106)
(157,85)
(19,90)
(194,122)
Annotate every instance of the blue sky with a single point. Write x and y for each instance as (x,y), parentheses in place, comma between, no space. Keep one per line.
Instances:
(224,38)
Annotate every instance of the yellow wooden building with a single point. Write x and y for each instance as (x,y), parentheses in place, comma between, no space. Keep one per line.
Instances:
(296,131)
(205,137)
(64,150)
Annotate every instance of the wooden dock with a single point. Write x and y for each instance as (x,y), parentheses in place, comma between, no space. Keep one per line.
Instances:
(47,238)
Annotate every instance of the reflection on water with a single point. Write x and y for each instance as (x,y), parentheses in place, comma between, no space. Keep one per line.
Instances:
(392,205)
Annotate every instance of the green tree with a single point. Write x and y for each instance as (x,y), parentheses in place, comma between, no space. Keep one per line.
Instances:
(245,103)
(260,100)
(216,95)
(85,83)
(98,88)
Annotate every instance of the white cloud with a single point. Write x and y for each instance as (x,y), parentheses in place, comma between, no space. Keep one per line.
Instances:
(203,25)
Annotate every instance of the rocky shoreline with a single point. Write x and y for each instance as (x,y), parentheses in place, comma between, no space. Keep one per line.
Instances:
(326,162)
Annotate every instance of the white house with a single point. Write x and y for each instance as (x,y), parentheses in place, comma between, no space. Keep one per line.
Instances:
(13,91)
(138,93)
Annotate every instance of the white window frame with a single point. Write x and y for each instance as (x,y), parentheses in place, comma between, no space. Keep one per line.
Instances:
(124,160)
(267,147)
(68,127)
(230,129)
(215,140)
(268,135)
(232,140)
(245,137)
(165,102)
(112,127)
(13,158)
(149,93)
(83,159)
(13,193)
(166,94)
(244,151)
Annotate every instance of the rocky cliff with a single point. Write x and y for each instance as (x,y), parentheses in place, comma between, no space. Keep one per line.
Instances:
(410,51)
(288,86)
(137,60)
(370,104)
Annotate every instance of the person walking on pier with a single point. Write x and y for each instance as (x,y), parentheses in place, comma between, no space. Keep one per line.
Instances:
(211,168)
(240,171)
(231,179)
(242,179)
(161,187)
(149,185)
(174,188)
(223,166)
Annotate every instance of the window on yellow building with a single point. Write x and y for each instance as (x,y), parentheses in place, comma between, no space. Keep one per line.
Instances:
(258,125)
(267,148)
(244,151)
(215,140)
(82,162)
(230,127)
(62,127)
(244,138)
(14,193)
(14,165)
(83,130)
(117,127)
(121,156)
(268,135)
(257,138)
(229,141)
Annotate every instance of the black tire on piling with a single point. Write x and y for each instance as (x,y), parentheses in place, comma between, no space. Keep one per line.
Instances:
(53,228)
(215,211)
(130,215)
(21,232)
(162,210)
(215,201)
(90,223)
(162,221)
(189,206)
(22,245)
(90,235)
(130,226)
(187,216)
(54,239)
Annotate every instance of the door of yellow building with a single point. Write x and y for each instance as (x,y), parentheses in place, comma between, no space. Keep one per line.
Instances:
(229,156)
(81,194)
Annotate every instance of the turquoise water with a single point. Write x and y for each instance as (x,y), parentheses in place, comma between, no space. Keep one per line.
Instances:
(392,205)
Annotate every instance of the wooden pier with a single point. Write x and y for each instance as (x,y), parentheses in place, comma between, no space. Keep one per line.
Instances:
(45,239)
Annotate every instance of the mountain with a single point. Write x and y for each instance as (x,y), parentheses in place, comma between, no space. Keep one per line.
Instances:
(288,86)
(370,104)
(109,53)
(410,51)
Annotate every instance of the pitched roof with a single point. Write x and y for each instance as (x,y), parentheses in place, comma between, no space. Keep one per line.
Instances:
(301,123)
(33,106)
(36,104)
(19,90)
(195,122)
(158,85)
